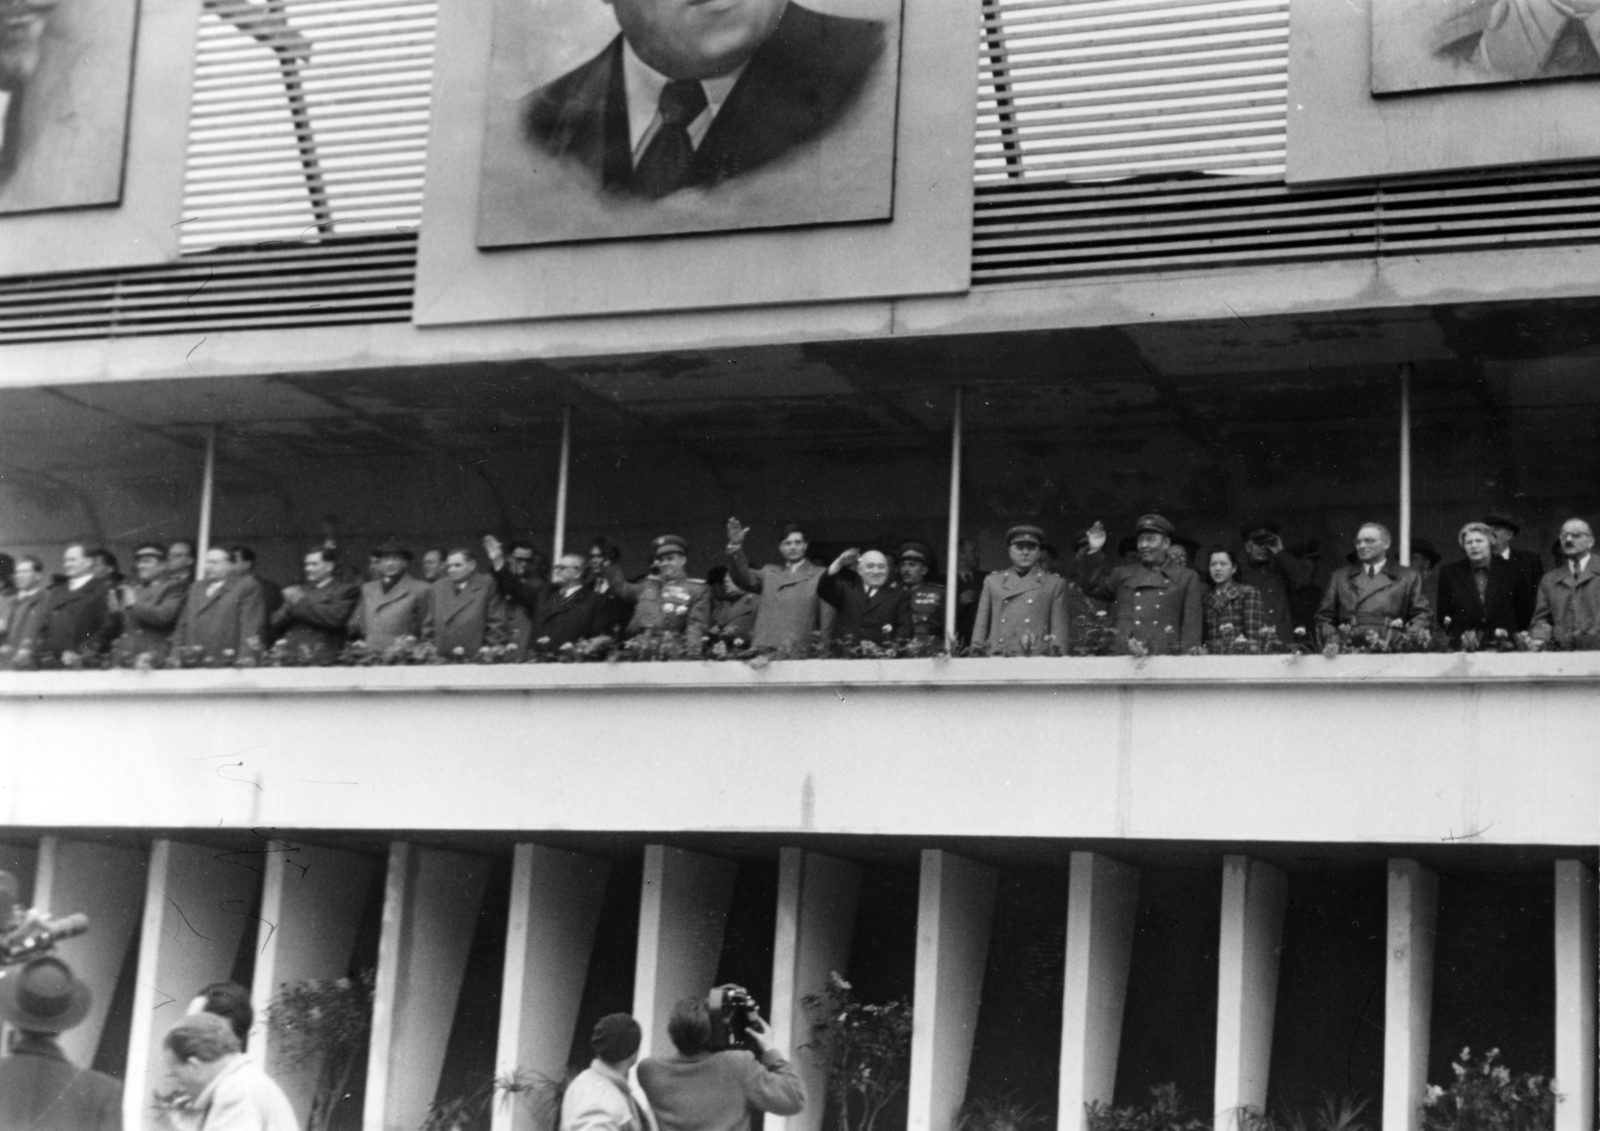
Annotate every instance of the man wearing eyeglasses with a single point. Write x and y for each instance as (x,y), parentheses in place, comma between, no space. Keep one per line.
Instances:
(1568,611)
(560,611)
(669,606)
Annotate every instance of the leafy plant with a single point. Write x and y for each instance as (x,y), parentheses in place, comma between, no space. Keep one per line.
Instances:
(321,1026)
(866,1050)
(1008,1113)
(1166,1111)
(1489,1097)
(1334,1113)
(473,1109)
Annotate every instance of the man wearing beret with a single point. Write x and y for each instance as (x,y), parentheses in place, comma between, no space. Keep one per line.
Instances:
(1154,601)
(926,599)
(669,604)
(1022,610)
(40,1088)
(600,1098)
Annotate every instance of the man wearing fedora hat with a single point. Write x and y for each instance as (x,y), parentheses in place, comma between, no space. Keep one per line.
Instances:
(1022,609)
(1155,602)
(39,1088)
(1527,566)
(395,604)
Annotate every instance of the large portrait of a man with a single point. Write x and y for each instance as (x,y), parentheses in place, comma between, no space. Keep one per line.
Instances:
(1449,43)
(612,119)
(66,69)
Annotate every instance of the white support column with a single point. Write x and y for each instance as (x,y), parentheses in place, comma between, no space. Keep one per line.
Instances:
(1575,996)
(952,542)
(559,540)
(1404,538)
(817,900)
(313,899)
(1102,906)
(1408,992)
(195,914)
(108,884)
(683,910)
(954,911)
(1254,896)
(555,911)
(208,480)
(430,907)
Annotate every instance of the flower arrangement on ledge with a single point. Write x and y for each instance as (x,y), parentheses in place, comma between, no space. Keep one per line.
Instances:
(1487,1096)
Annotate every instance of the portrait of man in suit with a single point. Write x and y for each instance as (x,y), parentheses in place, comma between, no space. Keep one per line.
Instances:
(689,115)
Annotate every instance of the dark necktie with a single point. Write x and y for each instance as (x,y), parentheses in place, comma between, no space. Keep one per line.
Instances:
(665,164)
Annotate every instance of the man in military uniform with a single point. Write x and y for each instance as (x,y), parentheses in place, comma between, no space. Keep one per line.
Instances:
(1022,609)
(148,608)
(668,605)
(927,599)
(1154,602)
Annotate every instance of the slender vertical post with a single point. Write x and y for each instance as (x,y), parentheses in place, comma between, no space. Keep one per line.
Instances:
(954,535)
(207,486)
(559,542)
(1405,463)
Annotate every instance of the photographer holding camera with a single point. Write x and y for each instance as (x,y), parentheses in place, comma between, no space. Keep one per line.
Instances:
(711,1085)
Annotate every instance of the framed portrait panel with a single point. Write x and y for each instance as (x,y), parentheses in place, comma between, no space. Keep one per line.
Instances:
(870,197)
(799,132)
(1452,43)
(96,136)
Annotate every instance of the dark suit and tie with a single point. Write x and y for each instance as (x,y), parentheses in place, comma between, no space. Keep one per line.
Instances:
(799,83)
(557,615)
(882,615)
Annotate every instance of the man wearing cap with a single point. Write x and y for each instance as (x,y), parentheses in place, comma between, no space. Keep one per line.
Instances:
(148,607)
(228,1091)
(1155,601)
(312,621)
(788,609)
(1376,591)
(558,612)
(40,1089)
(1022,610)
(600,1098)
(1527,567)
(925,598)
(1274,573)
(465,612)
(668,605)
(1568,610)
(394,605)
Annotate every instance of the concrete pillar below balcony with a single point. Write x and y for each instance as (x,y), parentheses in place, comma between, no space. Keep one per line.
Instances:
(954,912)
(555,911)
(196,911)
(107,883)
(430,907)
(683,910)
(1408,992)
(313,899)
(1575,996)
(1254,896)
(817,900)
(1102,906)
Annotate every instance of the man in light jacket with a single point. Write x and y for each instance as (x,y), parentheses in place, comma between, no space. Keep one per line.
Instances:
(702,1089)
(229,1092)
(600,1097)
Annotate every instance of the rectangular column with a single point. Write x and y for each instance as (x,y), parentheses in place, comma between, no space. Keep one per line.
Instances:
(817,900)
(1408,992)
(313,899)
(1102,907)
(195,915)
(430,907)
(108,884)
(683,910)
(555,911)
(1254,896)
(21,860)
(954,909)
(1575,996)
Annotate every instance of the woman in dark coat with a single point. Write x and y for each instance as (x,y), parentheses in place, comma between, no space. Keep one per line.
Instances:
(870,608)
(1478,593)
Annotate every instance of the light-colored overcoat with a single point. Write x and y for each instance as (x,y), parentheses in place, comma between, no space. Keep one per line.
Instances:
(787,612)
(229,620)
(1016,612)
(382,618)
(1374,603)
(1568,606)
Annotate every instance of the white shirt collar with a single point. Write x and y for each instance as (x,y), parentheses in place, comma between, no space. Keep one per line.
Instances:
(80,581)
(644,85)
(1583,564)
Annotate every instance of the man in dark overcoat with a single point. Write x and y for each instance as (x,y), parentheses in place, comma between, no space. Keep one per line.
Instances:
(313,619)
(76,616)
(1375,592)
(148,607)
(1527,566)
(223,615)
(40,1089)
(466,613)
(560,611)
(1154,601)
(1274,573)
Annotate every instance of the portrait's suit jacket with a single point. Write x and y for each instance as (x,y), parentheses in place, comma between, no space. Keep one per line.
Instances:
(1373,603)
(469,620)
(382,618)
(882,618)
(1459,600)
(797,85)
(230,620)
(316,618)
(1568,607)
(1013,606)
(74,620)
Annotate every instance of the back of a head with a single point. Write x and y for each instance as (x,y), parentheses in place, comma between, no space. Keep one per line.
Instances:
(690,1026)
(231,1002)
(204,1037)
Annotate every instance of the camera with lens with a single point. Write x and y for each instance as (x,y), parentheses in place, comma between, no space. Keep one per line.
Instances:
(28,932)
(732,1008)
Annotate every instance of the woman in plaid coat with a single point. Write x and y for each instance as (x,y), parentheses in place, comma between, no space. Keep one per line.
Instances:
(1231,610)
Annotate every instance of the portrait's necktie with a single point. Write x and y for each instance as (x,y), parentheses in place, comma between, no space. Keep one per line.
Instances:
(665,164)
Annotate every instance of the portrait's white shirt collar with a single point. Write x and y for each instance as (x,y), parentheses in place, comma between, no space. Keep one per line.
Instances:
(644,84)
